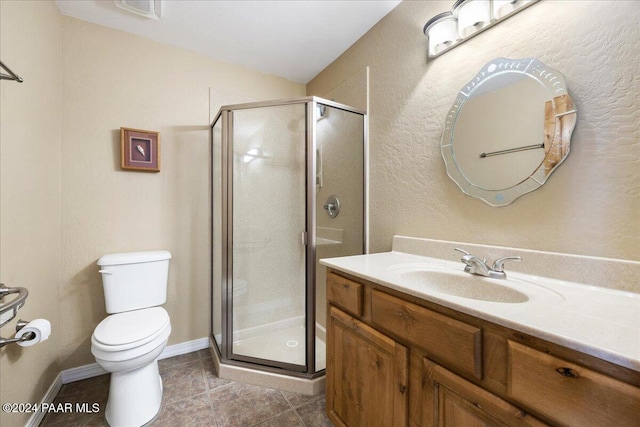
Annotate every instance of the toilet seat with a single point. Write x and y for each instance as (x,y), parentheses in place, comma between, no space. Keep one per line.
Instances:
(133,357)
(131,330)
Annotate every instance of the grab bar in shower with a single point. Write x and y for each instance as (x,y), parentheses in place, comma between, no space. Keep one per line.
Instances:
(9,310)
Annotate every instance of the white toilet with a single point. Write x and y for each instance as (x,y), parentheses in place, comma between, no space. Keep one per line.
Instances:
(128,342)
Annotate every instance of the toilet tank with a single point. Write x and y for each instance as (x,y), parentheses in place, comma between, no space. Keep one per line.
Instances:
(134,280)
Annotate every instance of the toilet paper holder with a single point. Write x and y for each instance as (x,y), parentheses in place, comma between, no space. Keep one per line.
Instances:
(26,337)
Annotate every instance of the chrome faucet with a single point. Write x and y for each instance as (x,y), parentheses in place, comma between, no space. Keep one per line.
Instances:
(475,265)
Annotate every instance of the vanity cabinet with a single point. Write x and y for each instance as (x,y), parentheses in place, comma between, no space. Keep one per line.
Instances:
(397,360)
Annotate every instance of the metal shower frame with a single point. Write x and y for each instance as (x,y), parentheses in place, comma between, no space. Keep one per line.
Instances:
(225,114)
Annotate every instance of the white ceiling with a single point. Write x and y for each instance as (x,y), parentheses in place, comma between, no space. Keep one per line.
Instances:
(294,39)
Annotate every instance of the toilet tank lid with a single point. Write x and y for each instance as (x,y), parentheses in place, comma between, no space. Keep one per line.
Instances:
(133,257)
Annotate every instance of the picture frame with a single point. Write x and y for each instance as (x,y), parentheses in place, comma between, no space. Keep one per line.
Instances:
(139,150)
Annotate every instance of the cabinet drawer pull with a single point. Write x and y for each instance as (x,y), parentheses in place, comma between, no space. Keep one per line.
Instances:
(567,372)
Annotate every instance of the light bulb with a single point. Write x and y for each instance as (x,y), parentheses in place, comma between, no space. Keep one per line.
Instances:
(442,31)
(504,7)
(472,16)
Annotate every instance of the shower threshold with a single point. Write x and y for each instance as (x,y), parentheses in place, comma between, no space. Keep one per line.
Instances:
(283,345)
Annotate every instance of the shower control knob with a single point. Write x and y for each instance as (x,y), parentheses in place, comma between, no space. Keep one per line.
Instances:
(332,206)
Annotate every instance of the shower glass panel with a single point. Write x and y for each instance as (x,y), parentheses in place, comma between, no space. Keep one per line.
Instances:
(216,232)
(268,291)
(339,173)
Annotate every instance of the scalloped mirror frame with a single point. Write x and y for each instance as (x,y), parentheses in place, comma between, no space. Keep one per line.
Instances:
(559,124)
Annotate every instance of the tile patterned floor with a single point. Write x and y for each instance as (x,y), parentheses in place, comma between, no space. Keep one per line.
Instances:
(194,396)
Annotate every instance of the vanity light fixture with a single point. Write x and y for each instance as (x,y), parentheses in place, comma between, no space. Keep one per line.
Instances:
(442,31)
(467,19)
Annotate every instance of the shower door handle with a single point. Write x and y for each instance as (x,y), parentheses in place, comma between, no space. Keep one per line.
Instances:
(303,238)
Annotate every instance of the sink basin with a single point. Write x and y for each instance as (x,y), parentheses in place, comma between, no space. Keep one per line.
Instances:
(473,287)
(445,279)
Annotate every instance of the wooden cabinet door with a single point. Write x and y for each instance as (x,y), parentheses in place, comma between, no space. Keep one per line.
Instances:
(450,401)
(367,374)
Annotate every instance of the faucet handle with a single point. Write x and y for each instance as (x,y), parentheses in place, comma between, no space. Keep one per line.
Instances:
(498,265)
(470,259)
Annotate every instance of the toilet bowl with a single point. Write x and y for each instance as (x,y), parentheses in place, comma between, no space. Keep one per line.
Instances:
(129,341)
(128,346)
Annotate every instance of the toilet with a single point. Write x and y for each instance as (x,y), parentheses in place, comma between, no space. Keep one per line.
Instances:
(128,342)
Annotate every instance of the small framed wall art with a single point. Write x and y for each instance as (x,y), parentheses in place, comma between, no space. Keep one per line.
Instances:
(140,150)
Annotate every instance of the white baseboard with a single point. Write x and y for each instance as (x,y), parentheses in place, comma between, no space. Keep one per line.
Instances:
(185,347)
(81,373)
(51,394)
(93,370)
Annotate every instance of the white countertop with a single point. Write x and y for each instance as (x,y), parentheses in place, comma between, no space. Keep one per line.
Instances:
(601,322)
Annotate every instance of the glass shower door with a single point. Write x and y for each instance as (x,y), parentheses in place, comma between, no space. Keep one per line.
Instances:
(268,216)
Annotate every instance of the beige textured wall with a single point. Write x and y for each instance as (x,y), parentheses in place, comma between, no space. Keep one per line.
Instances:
(589,206)
(30,188)
(113,79)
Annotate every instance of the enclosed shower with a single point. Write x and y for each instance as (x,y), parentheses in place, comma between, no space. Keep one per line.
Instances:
(288,188)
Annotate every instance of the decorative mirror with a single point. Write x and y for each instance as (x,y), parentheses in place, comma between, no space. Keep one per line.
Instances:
(508,130)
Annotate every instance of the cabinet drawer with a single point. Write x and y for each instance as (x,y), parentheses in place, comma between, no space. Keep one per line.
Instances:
(345,293)
(568,393)
(450,400)
(446,339)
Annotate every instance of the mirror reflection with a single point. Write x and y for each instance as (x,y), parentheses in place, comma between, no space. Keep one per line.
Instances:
(508,129)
